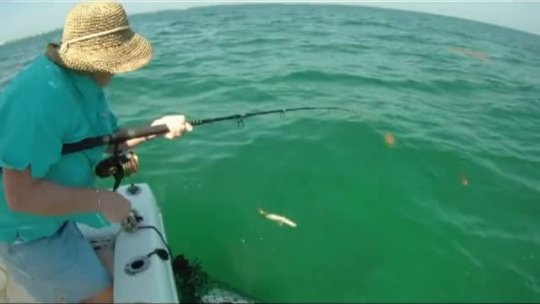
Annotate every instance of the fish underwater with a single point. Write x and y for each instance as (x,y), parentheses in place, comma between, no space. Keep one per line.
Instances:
(471,53)
(281,220)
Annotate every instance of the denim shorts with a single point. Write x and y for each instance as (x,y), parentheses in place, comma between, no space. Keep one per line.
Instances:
(61,268)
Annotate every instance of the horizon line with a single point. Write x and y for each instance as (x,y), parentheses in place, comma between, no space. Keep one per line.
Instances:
(248,2)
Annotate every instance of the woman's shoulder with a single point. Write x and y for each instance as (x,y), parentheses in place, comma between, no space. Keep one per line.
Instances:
(42,84)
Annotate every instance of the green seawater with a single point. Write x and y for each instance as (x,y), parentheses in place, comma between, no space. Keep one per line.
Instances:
(449,213)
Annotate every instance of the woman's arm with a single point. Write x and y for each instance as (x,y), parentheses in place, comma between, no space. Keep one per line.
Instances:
(41,197)
(132,143)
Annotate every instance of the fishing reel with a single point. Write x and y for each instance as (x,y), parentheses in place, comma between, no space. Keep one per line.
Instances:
(118,165)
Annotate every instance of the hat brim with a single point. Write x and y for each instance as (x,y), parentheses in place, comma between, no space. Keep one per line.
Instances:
(131,55)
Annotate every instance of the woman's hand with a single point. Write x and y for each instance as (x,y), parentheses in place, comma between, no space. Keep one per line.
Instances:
(114,207)
(177,125)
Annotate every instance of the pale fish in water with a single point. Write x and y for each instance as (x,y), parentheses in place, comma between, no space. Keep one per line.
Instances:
(389,140)
(277,218)
(472,53)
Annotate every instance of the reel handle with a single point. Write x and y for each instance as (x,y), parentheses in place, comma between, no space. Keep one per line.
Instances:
(131,223)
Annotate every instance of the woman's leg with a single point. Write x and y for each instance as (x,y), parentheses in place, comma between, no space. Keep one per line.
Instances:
(106,256)
(60,268)
(105,296)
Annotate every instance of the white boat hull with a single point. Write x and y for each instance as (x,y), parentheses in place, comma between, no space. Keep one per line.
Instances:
(153,281)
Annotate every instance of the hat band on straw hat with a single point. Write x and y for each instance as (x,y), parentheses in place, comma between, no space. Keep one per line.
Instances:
(64,46)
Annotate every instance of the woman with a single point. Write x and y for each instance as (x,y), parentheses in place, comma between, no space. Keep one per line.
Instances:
(59,99)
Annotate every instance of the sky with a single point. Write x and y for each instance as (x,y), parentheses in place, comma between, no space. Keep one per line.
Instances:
(20,19)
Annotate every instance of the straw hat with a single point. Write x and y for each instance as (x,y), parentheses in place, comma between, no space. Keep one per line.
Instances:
(97,38)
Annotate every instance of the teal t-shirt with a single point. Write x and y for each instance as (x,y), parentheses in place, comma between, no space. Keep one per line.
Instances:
(43,107)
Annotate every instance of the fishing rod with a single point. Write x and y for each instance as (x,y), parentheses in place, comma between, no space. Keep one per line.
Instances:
(131,133)
(241,117)
(125,163)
